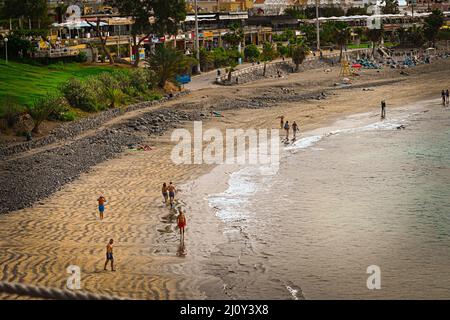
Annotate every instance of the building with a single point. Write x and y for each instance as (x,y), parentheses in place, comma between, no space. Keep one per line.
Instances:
(428,5)
(221,5)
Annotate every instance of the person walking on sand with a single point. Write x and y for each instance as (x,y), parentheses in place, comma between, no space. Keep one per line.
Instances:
(294,129)
(447,96)
(171,188)
(181,221)
(109,255)
(383,109)
(281,121)
(164,193)
(443,97)
(287,127)
(101,206)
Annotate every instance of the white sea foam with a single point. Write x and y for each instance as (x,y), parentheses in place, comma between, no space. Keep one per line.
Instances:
(231,204)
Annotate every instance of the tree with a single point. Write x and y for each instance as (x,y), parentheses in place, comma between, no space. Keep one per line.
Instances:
(103,39)
(167,63)
(374,35)
(294,13)
(268,54)
(232,58)
(342,35)
(432,25)
(235,36)
(35,12)
(151,17)
(356,11)
(358,31)
(251,53)
(298,52)
(42,108)
(206,59)
(390,7)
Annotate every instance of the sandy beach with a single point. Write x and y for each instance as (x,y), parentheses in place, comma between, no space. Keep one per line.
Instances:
(39,243)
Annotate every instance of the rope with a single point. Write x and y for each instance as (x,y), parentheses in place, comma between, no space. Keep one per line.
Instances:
(50,293)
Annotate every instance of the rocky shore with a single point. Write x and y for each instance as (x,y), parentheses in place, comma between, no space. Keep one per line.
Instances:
(27,179)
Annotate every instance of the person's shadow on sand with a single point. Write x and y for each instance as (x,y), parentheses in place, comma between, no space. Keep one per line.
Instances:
(181,252)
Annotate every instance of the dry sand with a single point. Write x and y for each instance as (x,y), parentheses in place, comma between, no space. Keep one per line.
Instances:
(38,244)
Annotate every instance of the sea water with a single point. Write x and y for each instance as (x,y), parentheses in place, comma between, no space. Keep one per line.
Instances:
(364,192)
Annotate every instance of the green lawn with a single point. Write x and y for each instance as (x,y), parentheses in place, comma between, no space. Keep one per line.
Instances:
(24,83)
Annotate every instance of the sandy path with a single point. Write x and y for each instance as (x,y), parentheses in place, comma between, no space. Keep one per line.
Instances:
(38,243)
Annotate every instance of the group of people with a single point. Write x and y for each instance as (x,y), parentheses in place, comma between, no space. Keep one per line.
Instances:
(168,193)
(287,128)
(445,97)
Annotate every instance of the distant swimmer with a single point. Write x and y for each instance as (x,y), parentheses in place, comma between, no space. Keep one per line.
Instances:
(281,121)
(287,127)
(181,220)
(101,206)
(444,99)
(109,255)
(171,188)
(383,109)
(164,193)
(295,129)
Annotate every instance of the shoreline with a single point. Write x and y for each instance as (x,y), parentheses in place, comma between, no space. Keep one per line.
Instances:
(205,215)
(148,265)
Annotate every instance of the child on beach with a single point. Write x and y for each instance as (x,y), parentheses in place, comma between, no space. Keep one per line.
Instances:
(101,206)
(164,193)
(181,221)
(109,255)
(171,188)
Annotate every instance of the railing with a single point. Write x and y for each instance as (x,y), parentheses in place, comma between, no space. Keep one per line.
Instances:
(251,69)
(57,53)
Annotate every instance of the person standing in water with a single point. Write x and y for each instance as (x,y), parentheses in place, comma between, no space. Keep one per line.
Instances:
(287,127)
(171,188)
(101,206)
(383,109)
(295,129)
(164,193)
(109,255)
(181,221)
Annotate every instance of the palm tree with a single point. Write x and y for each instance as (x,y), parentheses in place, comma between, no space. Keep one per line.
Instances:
(167,63)
(342,34)
(374,36)
(298,52)
(268,54)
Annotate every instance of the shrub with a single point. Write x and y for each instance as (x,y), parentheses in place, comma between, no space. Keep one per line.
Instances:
(76,94)
(68,116)
(251,53)
(10,109)
(81,57)
(42,108)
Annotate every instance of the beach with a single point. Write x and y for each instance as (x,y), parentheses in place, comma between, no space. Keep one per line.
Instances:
(277,249)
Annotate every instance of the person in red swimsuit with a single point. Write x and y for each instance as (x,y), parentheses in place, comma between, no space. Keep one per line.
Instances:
(181,220)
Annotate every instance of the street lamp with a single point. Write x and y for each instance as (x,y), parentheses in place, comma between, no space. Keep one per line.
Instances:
(317,27)
(197,43)
(5,40)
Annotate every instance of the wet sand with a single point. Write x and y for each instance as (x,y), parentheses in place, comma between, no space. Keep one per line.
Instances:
(39,243)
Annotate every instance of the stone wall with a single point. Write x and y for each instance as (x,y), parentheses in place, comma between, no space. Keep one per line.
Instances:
(72,129)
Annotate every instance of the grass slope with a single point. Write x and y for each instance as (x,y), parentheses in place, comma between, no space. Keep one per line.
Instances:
(24,83)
